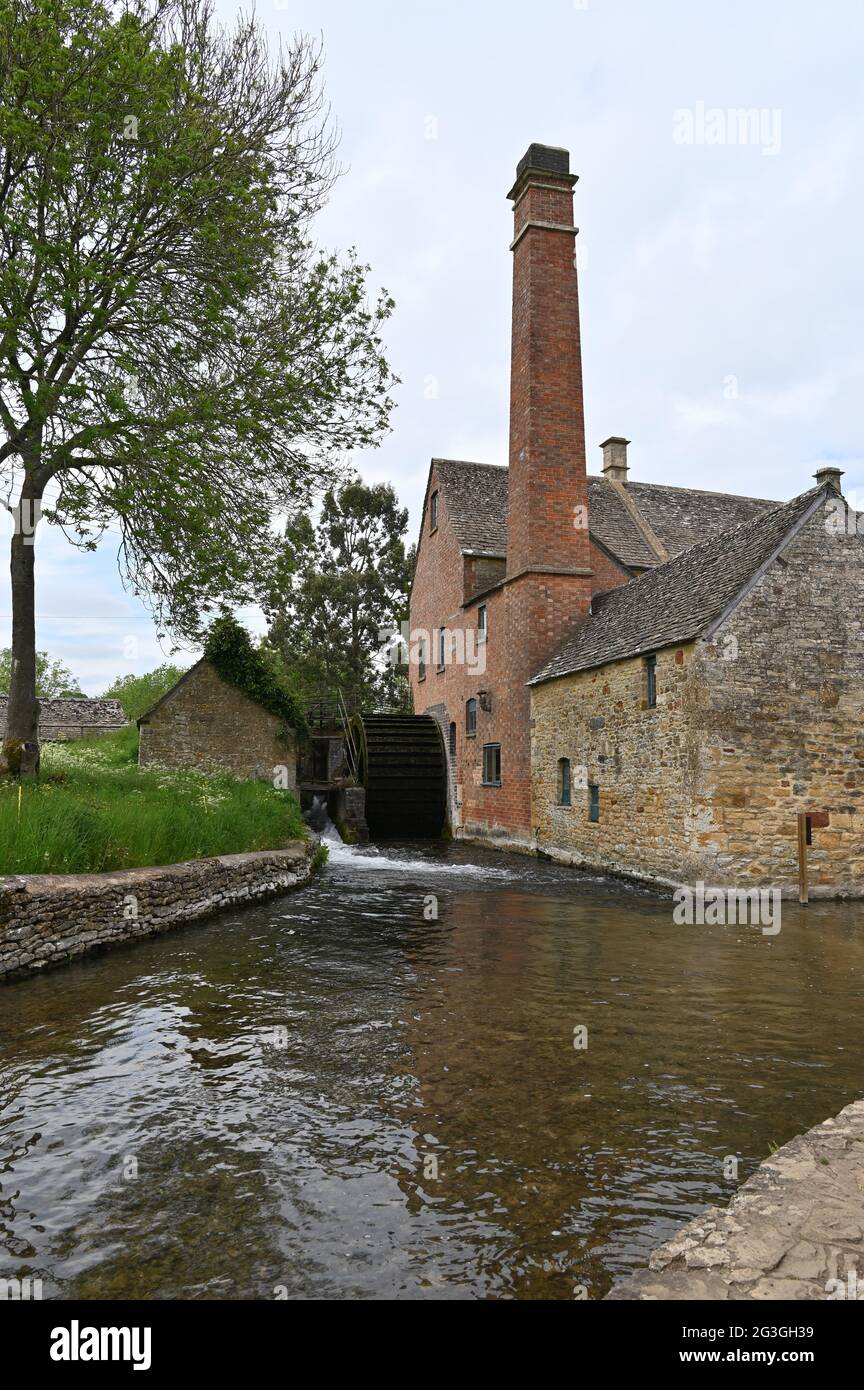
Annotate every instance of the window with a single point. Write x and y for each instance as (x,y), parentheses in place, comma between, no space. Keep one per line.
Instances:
(491,764)
(563,781)
(433,512)
(471,718)
(481,623)
(442,642)
(421,659)
(452,740)
(651,677)
(593,802)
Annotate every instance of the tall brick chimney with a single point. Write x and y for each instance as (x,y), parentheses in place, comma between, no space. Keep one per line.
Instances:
(547,490)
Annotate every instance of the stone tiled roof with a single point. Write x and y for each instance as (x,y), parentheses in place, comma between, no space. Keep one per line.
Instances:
(681,516)
(610,522)
(476,496)
(73,711)
(677,601)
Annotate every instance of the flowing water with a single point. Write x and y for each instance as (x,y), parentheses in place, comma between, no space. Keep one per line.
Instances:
(370,1088)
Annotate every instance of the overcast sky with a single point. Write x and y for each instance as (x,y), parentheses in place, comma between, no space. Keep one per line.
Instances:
(721,281)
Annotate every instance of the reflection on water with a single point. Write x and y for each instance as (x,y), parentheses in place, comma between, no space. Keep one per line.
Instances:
(281,1079)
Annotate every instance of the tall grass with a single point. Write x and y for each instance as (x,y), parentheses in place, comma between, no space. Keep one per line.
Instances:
(93,809)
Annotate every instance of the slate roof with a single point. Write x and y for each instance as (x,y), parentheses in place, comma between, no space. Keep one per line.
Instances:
(610,522)
(66,711)
(681,516)
(476,495)
(677,601)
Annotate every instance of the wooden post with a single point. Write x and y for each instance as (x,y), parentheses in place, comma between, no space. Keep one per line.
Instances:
(803,894)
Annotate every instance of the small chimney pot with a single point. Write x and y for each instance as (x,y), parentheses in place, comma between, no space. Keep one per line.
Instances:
(615,459)
(829,473)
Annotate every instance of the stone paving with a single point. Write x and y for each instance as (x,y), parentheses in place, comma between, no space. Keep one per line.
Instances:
(794,1230)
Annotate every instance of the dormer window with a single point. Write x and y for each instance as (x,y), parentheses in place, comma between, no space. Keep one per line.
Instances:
(433,512)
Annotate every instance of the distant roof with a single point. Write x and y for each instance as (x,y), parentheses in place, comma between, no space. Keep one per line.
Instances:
(677,601)
(74,709)
(476,496)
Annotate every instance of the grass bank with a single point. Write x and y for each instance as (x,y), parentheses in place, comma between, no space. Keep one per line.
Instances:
(93,809)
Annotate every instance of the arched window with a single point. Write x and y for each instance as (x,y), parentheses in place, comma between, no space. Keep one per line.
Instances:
(564,782)
(471,718)
(452,740)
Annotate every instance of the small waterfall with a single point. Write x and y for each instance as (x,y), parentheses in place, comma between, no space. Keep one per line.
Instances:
(367,857)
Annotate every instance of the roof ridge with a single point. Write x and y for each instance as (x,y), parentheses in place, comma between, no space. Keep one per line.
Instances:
(650,612)
(710,492)
(472,463)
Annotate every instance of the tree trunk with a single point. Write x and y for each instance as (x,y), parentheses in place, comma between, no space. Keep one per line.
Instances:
(21,746)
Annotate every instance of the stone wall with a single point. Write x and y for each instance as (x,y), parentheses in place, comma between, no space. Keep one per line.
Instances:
(208,725)
(72,717)
(49,919)
(781,719)
(644,761)
(792,1231)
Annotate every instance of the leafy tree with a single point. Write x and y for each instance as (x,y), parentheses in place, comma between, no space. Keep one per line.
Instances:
(54,680)
(137,693)
(342,584)
(176,359)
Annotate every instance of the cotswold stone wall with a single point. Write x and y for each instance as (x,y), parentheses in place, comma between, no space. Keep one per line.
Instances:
(762,722)
(208,725)
(48,919)
(644,761)
(781,712)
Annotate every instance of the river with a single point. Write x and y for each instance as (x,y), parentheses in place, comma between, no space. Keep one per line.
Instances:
(373,1088)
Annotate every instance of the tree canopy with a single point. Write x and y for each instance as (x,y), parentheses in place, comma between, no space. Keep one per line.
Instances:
(137,693)
(178,361)
(343,583)
(54,680)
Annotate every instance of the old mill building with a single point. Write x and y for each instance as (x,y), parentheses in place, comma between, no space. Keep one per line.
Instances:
(657,681)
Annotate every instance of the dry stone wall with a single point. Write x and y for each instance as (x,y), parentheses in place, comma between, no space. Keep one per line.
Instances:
(49,919)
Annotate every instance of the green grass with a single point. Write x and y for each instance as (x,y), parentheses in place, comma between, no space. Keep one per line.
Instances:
(93,809)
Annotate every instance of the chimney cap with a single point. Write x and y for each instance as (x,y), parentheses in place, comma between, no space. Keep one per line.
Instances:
(551,160)
(829,473)
(615,439)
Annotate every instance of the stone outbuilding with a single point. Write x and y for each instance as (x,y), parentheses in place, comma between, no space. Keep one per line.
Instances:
(206,724)
(72,716)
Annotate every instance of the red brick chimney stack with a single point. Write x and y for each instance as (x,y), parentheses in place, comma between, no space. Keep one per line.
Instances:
(547,529)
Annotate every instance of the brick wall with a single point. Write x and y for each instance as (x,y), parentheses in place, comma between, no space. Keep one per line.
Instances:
(549,579)
(206,724)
